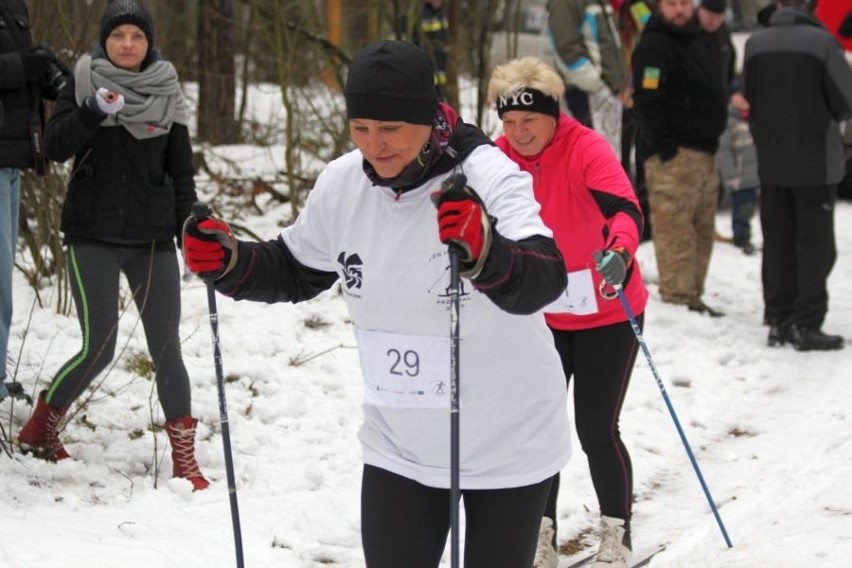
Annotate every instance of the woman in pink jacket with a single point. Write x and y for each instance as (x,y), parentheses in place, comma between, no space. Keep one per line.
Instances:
(589,203)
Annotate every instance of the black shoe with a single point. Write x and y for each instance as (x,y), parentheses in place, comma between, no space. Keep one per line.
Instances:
(703,308)
(748,249)
(779,333)
(806,338)
(745,245)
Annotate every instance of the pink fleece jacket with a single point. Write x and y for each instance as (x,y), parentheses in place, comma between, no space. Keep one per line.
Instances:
(584,195)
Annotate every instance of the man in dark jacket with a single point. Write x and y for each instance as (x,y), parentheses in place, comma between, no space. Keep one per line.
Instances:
(681,109)
(799,87)
(22,68)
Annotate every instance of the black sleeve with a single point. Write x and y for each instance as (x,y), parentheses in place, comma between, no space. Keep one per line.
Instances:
(521,277)
(611,204)
(11,71)
(179,167)
(268,272)
(70,126)
(651,81)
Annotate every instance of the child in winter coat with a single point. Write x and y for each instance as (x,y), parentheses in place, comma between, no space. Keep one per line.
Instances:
(737,161)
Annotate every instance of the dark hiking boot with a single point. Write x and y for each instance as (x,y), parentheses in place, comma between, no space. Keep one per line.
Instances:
(777,335)
(704,309)
(747,248)
(779,332)
(805,338)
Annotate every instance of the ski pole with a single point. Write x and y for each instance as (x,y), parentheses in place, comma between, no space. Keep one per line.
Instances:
(201,211)
(455,434)
(639,337)
(455,182)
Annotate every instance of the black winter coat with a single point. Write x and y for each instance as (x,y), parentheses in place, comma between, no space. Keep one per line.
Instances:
(122,190)
(17,98)
(800,87)
(680,98)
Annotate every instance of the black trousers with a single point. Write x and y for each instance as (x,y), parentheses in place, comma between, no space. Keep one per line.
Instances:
(798,252)
(154,278)
(601,361)
(405,524)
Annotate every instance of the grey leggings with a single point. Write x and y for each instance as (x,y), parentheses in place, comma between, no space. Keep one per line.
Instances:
(154,278)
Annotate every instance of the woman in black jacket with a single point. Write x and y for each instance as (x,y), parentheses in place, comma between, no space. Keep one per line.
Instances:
(123,119)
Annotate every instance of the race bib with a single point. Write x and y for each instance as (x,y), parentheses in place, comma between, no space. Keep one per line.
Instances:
(578,298)
(404,371)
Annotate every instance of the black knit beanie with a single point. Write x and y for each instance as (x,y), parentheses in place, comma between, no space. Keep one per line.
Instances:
(715,6)
(391,80)
(120,12)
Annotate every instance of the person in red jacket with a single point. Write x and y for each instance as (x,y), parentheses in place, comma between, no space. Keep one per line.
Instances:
(589,204)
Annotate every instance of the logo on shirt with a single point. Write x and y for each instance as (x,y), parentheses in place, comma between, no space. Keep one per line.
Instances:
(651,78)
(351,266)
(442,288)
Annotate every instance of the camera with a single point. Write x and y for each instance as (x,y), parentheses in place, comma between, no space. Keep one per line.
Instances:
(56,77)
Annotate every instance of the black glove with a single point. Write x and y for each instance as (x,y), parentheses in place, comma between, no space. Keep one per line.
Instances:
(35,64)
(612,265)
(56,76)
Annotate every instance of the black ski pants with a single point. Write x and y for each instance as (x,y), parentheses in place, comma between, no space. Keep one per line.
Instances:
(405,523)
(798,252)
(154,278)
(600,360)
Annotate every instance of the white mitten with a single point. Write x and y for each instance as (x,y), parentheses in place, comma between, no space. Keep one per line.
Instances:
(108,101)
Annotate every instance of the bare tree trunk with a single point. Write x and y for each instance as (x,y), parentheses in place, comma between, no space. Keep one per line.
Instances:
(216,68)
(174,23)
(451,89)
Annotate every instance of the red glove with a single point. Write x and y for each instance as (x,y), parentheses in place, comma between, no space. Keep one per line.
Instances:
(209,246)
(462,220)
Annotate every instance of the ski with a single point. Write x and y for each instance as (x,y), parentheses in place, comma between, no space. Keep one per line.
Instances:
(583,559)
(579,559)
(637,562)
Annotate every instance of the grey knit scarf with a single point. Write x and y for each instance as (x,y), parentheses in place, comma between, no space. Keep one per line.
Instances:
(152,97)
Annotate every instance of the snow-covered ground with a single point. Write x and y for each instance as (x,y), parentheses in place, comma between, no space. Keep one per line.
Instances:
(770,429)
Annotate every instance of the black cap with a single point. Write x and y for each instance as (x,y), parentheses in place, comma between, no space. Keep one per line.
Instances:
(120,12)
(391,80)
(716,6)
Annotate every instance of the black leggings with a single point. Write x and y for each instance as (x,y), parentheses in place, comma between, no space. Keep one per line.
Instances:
(404,523)
(601,361)
(154,278)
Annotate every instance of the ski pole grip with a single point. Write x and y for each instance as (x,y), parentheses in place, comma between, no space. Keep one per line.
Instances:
(597,256)
(455,183)
(200,210)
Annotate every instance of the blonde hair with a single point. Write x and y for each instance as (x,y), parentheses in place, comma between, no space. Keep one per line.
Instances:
(524,73)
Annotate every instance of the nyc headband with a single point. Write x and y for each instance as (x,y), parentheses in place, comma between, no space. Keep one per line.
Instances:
(530,100)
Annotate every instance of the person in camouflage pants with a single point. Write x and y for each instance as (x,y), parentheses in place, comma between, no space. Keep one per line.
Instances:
(683,193)
(681,110)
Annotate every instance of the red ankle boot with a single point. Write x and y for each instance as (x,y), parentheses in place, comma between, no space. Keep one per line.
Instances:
(40,435)
(181,433)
